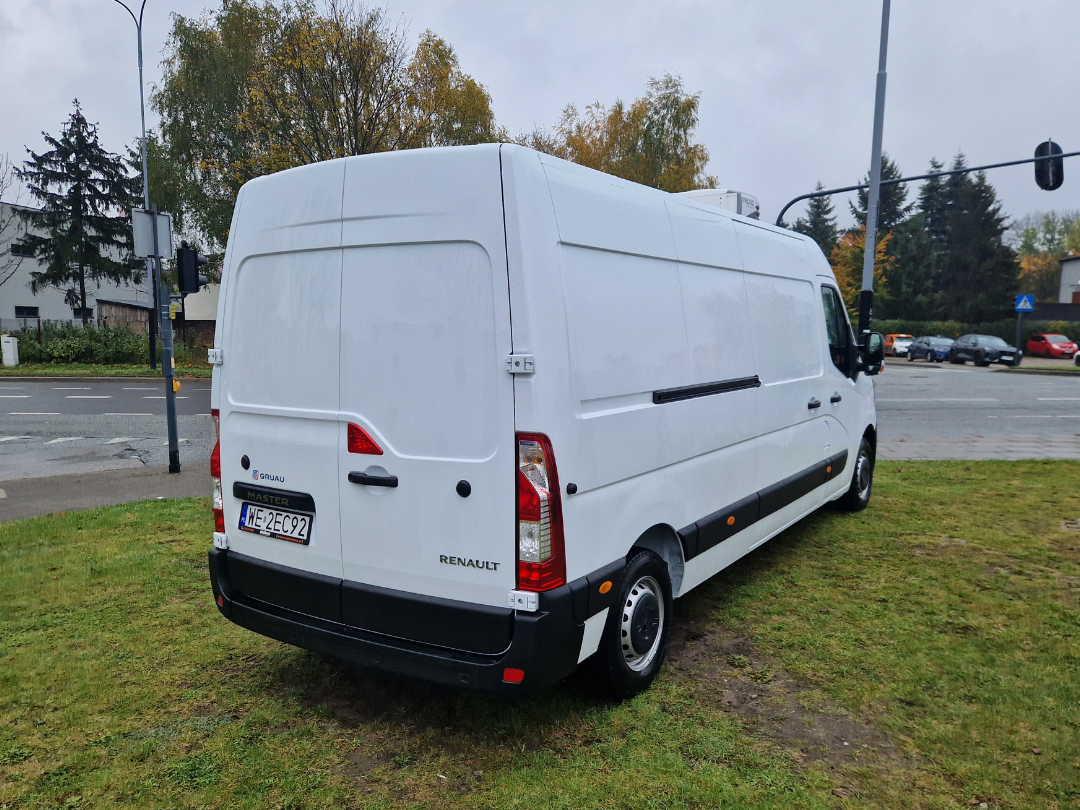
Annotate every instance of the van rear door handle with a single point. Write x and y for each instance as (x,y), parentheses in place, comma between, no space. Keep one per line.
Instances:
(835,398)
(373,480)
(813,403)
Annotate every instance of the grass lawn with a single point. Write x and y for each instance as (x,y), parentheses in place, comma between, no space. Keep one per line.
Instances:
(91,370)
(921,654)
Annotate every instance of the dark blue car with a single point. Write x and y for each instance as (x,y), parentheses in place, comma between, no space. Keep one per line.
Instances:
(931,348)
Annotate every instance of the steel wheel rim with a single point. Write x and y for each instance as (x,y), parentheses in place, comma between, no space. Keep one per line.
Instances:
(645,603)
(862,475)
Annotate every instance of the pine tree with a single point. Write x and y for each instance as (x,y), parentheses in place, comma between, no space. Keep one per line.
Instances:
(820,222)
(892,209)
(85,195)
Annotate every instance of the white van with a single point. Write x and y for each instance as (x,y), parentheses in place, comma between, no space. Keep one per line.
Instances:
(484,413)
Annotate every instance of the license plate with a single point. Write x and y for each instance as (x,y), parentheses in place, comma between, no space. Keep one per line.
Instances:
(292,526)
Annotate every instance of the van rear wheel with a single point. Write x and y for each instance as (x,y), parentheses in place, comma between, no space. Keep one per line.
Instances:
(635,639)
(862,480)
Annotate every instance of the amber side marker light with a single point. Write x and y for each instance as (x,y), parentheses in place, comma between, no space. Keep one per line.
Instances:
(511,675)
(605,587)
(731,521)
(828,469)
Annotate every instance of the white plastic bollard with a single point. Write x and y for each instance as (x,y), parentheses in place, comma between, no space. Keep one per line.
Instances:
(10,350)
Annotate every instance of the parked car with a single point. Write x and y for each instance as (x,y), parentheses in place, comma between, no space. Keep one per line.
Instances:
(1050,346)
(931,348)
(897,345)
(695,410)
(982,350)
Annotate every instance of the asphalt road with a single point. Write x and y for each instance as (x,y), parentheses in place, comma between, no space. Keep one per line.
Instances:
(54,427)
(938,410)
(925,410)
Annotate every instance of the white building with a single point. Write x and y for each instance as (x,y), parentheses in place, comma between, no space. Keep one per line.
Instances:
(1069,292)
(19,306)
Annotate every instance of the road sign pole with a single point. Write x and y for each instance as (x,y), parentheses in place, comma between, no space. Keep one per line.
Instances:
(1019,334)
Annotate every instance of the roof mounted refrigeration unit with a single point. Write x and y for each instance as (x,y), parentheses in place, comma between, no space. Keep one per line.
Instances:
(738,202)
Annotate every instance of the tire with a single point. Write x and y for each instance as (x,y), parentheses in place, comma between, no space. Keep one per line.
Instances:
(930,356)
(980,360)
(857,497)
(954,358)
(910,355)
(635,639)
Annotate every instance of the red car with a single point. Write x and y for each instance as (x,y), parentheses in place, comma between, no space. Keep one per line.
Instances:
(1050,346)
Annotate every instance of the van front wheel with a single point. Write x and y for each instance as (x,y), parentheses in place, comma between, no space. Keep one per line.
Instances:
(862,480)
(635,639)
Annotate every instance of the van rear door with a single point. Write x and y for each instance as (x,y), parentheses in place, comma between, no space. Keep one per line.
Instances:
(425,330)
(278,387)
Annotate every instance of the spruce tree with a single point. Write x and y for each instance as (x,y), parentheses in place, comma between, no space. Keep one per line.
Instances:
(979,273)
(914,281)
(892,207)
(83,227)
(933,204)
(820,222)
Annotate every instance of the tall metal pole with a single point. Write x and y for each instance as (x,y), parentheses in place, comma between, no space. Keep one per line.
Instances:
(866,297)
(151,280)
(159,293)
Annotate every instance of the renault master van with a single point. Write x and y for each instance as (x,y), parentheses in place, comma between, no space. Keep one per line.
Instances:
(483,414)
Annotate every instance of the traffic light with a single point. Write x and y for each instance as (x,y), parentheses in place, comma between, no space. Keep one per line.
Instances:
(1049,174)
(188,262)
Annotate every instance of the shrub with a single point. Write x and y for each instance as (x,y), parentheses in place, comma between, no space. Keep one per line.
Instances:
(62,342)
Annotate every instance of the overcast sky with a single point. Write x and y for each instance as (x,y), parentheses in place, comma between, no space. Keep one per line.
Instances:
(787,86)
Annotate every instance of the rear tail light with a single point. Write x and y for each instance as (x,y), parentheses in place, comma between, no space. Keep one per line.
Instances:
(215,474)
(541,550)
(360,442)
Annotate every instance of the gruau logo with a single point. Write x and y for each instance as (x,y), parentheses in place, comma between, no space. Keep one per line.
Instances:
(258,476)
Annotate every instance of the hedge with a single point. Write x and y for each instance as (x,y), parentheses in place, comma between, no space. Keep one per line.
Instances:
(64,342)
(1004,329)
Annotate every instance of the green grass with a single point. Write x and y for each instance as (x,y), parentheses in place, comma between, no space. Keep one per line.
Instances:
(93,370)
(941,624)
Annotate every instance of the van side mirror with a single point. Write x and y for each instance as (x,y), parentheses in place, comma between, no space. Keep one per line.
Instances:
(873,354)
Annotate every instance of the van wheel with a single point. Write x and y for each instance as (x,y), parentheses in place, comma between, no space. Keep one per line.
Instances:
(862,480)
(635,639)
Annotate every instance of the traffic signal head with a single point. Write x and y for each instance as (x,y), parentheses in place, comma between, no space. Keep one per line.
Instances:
(188,262)
(1049,174)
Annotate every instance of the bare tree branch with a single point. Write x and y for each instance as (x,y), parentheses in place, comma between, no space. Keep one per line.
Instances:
(10,224)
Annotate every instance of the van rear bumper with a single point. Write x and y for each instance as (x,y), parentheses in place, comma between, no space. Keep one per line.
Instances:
(544,644)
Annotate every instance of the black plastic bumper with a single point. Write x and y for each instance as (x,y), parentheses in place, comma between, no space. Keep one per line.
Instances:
(544,644)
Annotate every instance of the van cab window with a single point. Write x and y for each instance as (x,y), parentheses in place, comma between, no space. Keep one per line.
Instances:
(837,329)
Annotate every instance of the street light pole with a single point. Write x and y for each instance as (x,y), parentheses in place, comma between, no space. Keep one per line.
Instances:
(150,275)
(160,298)
(866,297)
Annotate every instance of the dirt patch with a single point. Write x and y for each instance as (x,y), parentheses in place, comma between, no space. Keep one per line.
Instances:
(728,673)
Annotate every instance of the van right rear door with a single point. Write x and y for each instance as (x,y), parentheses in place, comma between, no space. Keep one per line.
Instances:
(425,330)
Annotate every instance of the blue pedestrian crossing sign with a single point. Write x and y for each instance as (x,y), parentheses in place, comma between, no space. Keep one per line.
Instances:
(1025,303)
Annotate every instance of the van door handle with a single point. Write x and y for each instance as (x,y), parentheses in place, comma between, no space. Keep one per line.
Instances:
(835,398)
(373,480)
(813,403)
